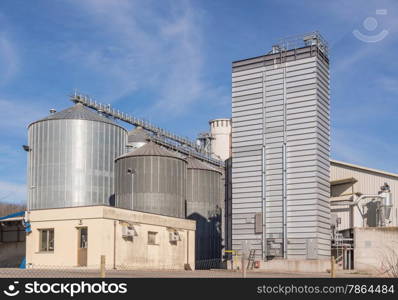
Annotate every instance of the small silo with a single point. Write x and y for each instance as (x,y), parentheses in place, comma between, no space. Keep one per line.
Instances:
(71,158)
(204,192)
(151,179)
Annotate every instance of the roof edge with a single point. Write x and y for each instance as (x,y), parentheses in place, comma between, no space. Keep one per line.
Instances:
(45,120)
(337,162)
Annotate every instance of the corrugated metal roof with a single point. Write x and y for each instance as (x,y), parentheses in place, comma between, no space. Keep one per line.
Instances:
(196,164)
(14,215)
(336,162)
(151,149)
(78,112)
(138,134)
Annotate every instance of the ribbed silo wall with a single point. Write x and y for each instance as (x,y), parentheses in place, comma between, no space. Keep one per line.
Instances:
(280,161)
(203,205)
(71,162)
(158,185)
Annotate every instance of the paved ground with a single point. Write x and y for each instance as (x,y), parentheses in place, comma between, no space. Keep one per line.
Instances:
(85,273)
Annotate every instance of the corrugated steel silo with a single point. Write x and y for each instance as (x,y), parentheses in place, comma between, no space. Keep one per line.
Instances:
(71,159)
(151,179)
(281,150)
(204,192)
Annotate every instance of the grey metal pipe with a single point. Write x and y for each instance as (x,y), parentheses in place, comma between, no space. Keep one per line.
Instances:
(263,179)
(284,166)
(284,201)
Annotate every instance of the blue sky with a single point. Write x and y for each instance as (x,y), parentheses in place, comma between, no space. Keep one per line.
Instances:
(170,62)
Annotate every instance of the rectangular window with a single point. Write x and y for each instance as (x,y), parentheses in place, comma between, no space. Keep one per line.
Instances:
(46,240)
(152,237)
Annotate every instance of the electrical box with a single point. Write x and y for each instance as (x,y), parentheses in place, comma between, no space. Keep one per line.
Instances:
(128,231)
(174,236)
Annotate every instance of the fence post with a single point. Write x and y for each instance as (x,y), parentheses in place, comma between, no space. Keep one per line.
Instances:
(243,265)
(102,266)
(332,267)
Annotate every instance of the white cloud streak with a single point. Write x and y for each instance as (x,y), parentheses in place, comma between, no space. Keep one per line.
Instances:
(148,49)
(355,147)
(8,60)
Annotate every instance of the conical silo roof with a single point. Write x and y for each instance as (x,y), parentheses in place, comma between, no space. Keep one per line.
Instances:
(197,164)
(78,112)
(151,149)
(138,135)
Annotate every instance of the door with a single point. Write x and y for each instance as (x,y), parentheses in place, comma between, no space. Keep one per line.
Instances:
(82,246)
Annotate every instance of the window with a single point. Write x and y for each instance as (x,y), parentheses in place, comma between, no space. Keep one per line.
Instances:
(152,237)
(46,240)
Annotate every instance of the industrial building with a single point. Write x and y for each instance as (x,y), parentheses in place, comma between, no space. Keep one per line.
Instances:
(78,236)
(261,182)
(364,225)
(145,198)
(286,201)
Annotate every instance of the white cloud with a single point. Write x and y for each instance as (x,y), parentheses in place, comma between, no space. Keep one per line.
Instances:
(11,192)
(360,148)
(16,114)
(8,60)
(147,48)
(389,84)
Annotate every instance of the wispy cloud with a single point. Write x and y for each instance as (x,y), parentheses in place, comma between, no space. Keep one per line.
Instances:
(16,114)
(352,146)
(389,84)
(146,48)
(12,192)
(353,14)
(9,61)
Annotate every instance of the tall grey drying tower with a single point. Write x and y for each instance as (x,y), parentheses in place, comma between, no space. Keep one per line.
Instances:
(280,150)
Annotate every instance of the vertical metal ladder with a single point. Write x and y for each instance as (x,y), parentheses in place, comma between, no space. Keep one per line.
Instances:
(252,256)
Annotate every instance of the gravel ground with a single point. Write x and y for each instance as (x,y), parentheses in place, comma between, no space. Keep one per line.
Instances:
(92,273)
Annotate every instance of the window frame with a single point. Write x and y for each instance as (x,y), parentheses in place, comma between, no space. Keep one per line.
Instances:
(153,234)
(47,231)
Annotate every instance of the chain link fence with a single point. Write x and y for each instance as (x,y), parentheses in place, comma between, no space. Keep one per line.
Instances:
(207,269)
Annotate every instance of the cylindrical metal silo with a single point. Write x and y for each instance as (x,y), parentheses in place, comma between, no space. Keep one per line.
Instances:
(151,179)
(71,159)
(204,191)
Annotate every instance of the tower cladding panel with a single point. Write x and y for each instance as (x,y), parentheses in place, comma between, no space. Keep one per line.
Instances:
(280,152)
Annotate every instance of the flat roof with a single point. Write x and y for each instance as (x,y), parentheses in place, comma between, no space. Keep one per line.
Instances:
(337,162)
(344,181)
(108,212)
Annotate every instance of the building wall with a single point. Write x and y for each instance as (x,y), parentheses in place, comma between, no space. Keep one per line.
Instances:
(105,238)
(368,182)
(373,246)
(281,109)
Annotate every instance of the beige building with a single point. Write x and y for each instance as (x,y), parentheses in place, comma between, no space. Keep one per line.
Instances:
(12,242)
(375,249)
(78,236)
(348,180)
